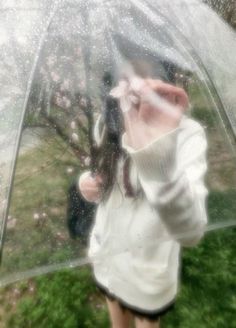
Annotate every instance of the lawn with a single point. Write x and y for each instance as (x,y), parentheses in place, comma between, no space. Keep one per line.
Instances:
(69,298)
(39,235)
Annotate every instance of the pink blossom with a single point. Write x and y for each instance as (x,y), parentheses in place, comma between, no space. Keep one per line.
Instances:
(58,101)
(87,161)
(66,84)
(66,101)
(69,170)
(36,216)
(55,77)
(74,137)
(73,125)
(82,85)
(83,102)
(50,61)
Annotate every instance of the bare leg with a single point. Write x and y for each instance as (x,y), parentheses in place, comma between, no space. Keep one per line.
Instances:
(143,323)
(119,318)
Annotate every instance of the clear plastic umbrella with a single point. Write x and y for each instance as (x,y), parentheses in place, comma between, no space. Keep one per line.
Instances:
(55,61)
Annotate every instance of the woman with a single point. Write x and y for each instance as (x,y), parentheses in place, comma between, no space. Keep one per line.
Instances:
(145,216)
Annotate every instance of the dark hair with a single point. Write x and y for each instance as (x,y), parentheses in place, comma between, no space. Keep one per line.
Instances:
(110,150)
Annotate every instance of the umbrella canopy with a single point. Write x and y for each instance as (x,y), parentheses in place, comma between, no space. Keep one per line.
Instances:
(54,60)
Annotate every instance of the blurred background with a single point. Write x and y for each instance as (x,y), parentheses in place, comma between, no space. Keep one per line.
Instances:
(45,279)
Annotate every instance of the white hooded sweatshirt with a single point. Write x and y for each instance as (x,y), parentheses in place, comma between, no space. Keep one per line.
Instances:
(135,242)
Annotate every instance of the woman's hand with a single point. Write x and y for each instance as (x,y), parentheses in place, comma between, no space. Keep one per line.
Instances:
(158,110)
(91,187)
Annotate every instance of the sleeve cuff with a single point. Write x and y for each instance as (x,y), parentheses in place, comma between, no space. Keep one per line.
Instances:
(157,160)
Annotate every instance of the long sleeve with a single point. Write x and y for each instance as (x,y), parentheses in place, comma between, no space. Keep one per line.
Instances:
(171,171)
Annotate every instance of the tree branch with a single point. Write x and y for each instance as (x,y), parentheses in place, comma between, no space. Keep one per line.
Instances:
(77,150)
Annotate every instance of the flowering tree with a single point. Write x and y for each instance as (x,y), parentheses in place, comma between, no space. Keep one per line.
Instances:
(60,99)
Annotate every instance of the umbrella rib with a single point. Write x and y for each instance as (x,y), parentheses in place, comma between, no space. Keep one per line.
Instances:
(14,161)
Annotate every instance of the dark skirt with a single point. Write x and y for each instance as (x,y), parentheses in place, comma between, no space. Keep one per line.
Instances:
(140,313)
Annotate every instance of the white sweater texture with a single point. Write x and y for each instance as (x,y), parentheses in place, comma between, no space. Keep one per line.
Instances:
(135,242)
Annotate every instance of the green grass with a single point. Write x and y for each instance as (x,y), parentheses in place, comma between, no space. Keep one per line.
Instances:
(206,298)
(65,299)
(40,186)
